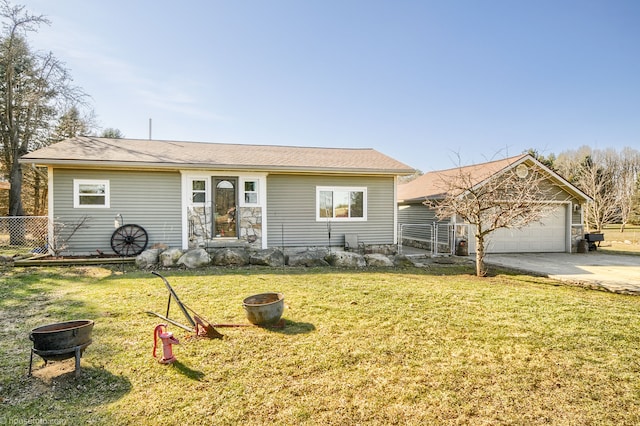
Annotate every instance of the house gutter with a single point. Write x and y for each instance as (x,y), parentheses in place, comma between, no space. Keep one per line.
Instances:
(209,166)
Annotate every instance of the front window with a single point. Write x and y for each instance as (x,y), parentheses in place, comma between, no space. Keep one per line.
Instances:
(251,192)
(336,203)
(198,191)
(90,193)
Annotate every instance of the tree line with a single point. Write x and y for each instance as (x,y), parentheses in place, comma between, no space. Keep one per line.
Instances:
(610,177)
(39,105)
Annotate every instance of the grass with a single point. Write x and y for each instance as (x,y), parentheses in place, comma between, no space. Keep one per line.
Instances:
(627,242)
(406,346)
(14,251)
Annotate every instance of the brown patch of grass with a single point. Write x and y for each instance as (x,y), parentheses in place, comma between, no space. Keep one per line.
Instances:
(627,242)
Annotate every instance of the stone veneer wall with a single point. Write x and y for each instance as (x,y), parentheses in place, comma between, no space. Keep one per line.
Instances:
(199,220)
(251,225)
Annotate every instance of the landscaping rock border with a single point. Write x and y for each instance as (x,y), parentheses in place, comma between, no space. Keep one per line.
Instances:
(274,257)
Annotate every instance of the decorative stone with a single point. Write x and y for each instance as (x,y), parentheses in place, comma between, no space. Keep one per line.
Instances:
(230,257)
(170,257)
(347,259)
(240,253)
(378,260)
(195,258)
(267,257)
(403,261)
(308,258)
(147,259)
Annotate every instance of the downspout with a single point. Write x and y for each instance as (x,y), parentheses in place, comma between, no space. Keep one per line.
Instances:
(50,227)
(395,210)
(568,225)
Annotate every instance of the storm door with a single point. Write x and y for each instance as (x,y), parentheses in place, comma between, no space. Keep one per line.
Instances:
(224,207)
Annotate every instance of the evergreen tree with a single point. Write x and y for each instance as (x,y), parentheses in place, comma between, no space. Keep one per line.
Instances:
(111,133)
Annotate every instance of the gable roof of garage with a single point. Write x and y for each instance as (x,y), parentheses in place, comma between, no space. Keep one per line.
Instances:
(142,153)
(433,185)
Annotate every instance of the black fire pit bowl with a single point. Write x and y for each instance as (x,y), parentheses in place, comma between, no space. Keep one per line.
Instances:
(60,341)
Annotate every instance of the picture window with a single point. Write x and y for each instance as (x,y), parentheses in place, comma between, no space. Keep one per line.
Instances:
(335,203)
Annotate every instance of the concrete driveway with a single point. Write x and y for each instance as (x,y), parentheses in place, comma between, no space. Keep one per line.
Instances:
(615,273)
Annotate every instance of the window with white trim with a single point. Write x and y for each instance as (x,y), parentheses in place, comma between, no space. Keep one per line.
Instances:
(250,190)
(90,193)
(198,191)
(341,203)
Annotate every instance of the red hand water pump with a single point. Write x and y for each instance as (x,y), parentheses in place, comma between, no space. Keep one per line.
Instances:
(160,332)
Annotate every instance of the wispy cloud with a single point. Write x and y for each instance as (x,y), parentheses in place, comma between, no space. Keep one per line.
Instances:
(95,60)
(174,100)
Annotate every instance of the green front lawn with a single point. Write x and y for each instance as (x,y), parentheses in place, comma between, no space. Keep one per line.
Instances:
(408,346)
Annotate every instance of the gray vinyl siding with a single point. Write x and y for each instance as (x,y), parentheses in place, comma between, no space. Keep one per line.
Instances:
(415,213)
(291,211)
(576,216)
(149,199)
(417,220)
(560,194)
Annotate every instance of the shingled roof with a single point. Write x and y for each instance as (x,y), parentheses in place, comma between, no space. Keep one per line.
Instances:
(434,185)
(141,153)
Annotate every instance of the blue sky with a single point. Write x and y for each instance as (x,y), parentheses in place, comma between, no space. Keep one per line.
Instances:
(422,81)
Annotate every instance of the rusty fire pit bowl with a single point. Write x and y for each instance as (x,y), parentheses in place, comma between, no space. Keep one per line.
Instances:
(264,308)
(55,342)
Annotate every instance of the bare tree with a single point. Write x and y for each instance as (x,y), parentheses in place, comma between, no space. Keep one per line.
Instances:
(634,217)
(495,196)
(629,171)
(63,232)
(32,87)
(608,177)
(599,181)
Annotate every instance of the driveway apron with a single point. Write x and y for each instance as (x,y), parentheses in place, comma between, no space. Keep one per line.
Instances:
(615,273)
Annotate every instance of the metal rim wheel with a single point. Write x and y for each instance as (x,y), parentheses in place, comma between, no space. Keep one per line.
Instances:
(129,240)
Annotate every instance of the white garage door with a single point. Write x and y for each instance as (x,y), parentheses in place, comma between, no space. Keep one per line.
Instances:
(547,236)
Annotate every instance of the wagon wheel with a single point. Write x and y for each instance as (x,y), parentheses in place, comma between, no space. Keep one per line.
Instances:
(129,240)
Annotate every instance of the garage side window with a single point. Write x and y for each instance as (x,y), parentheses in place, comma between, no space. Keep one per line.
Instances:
(341,204)
(93,194)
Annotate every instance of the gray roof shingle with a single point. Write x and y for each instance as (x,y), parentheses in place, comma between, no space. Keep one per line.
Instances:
(435,185)
(105,152)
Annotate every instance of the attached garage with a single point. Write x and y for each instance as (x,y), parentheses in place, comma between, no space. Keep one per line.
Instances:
(547,236)
(557,232)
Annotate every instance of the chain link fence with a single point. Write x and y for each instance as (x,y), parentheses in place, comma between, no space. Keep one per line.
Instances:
(21,234)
